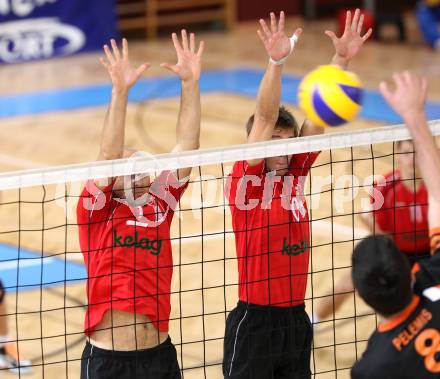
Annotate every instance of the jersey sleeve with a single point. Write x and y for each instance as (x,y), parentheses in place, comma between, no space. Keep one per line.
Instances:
(243,168)
(300,164)
(94,202)
(427,272)
(356,371)
(371,364)
(169,189)
(383,215)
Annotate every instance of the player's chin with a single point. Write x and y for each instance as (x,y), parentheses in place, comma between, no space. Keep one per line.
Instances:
(139,193)
(129,193)
(281,171)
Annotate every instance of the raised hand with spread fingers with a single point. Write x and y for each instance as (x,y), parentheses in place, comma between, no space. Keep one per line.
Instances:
(123,77)
(188,68)
(279,47)
(409,96)
(408,99)
(349,44)
(189,61)
(122,74)
(277,44)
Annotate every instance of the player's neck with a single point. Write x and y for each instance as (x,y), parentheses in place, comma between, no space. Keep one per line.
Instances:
(388,319)
(396,316)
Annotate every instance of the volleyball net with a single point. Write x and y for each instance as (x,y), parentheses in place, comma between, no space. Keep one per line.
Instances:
(43,271)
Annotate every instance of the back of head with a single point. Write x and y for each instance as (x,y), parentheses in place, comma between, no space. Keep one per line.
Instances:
(382,275)
(285,121)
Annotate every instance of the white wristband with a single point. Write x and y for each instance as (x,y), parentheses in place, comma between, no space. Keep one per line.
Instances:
(293,41)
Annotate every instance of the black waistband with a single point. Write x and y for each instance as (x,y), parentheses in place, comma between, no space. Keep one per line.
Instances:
(416,254)
(128,354)
(270,308)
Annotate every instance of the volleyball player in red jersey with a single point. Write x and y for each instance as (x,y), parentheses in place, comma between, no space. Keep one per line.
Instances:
(404,212)
(268,334)
(124,231)
(400,201)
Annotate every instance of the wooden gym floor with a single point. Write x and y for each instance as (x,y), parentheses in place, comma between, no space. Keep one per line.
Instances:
(72,137)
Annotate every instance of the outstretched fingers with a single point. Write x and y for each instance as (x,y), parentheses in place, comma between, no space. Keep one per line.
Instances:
(360,24)
(367,34)
(104,63)
(192,43)
(348,21)
(176,42)
(125,49)
(385,91)
(201,49)
(262,36)
(115,48)
(185,40)
(141,69)
(406,85)
(355,22)
(273,22)
(168,66)
(398,79)
(331,35)
(265,28)
(282,22)
(109,55)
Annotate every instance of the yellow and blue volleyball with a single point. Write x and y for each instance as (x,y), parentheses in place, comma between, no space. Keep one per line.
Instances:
(330,96)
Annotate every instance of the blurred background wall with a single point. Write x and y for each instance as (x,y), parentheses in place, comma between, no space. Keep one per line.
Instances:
(39,29)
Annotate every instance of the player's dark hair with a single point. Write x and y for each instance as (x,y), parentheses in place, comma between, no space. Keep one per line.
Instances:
(382,275)
(285,121)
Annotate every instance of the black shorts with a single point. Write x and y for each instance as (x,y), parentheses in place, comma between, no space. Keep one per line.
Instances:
(159,362)
(416,257)
(263,342)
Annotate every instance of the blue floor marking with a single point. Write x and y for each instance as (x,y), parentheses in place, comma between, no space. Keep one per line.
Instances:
(236,81)
(35,271)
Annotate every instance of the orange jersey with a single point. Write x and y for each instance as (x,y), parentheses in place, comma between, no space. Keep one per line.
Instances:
(408,346)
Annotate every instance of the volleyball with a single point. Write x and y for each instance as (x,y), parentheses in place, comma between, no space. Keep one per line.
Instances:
(330,96)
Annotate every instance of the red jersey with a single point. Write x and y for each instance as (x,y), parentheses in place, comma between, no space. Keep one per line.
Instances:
(271,226)
(128,259)
(404,214)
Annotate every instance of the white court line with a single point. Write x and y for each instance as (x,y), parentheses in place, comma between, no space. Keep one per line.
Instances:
(25,262)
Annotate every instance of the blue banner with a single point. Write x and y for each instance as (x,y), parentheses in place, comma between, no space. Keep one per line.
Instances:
(41,29)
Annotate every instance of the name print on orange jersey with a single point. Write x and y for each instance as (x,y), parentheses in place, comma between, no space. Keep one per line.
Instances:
(412,330)
(154,246)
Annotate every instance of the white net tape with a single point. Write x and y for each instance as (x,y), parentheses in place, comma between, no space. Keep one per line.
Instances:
(203,157)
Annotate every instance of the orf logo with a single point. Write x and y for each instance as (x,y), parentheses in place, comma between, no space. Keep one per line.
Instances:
(36,39)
